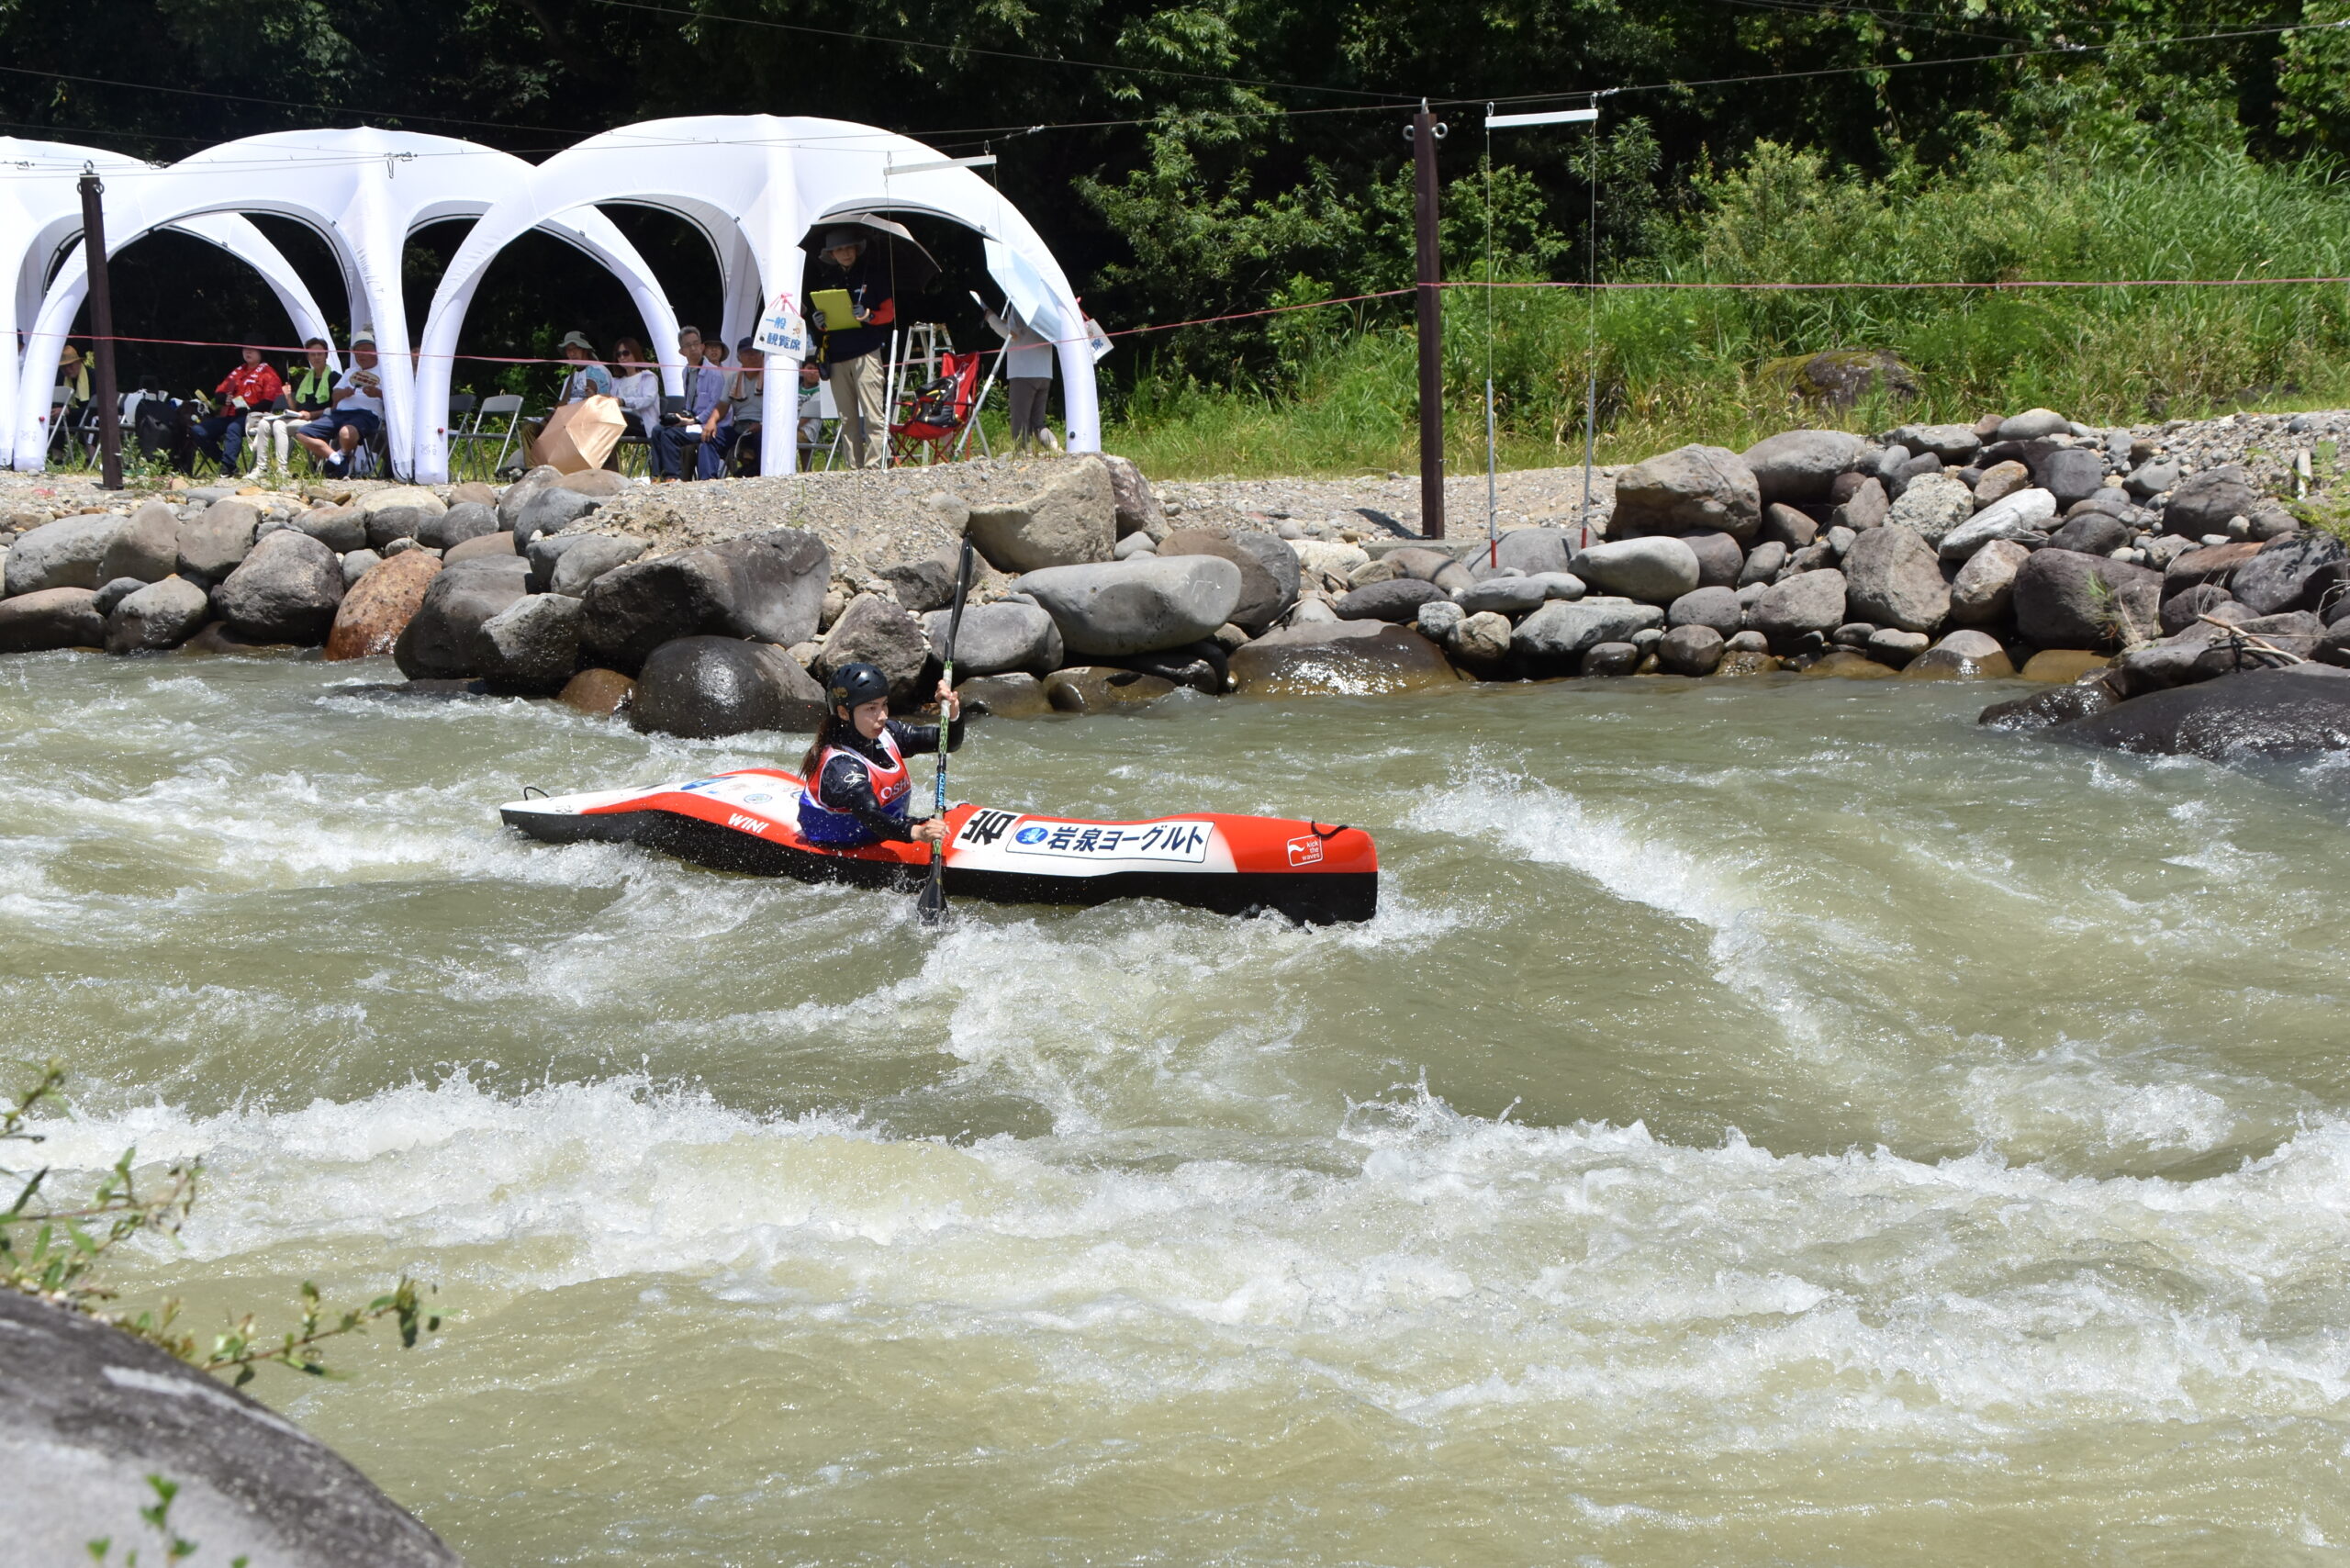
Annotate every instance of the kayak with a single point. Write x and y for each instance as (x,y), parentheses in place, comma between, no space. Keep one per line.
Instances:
(748,820)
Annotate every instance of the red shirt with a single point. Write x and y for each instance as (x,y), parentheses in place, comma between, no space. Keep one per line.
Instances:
(257,384)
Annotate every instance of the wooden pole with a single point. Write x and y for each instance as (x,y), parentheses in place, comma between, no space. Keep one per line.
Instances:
(1424,131)
(94,248)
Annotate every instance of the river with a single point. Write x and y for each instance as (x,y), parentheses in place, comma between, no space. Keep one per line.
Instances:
(1767,1122)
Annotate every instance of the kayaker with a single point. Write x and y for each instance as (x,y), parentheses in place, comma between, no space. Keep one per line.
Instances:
(860,788)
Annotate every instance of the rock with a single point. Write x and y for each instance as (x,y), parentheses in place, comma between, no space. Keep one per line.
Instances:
(1144,605)
(1894,647)
(1439,617)
(2203,503)
(551,509)
(1691,649)
(1270,569)
(1810,558)
(1867,508)
(767,587)
(339,529)
(1926,467)
(466,520)
(925,583)
(2057,606)
(1714,607)
(1891,578)
(88,1413)
(1810,601)
(215,540)
(396,498)
(1103,688)
(147,545)
(1719,560)
(385,524)
(1396,599)
(1763,564)
(704,686)
(1611,660)
(443,639)
(1534,550)
(1788,526)
(1069,520)
(115,592)
(1013,695)
(1342,662)
(158,615)
(586,556)
(1962,656)
(2275,714)
(70,553)
(2045,709)
(1559,632)
(2061,667)
(2299,573)
(998,639)
(1419,561)
(512,499)
(2001,480)
(1504,596)
(287,591)
(2150,478)
(533,645)
(47,619)
(2269,520)
(1329,558)
(1984,588)
(1654,569)
(1932,505)
(1842,377)
(877,631)
(598,693)
(2019,518)
(1127,549)
(1799,465)
(1951,444)
(487,547)
(1135,508)
(2070,473)
(2113,504)
(2188,607)
(1746,661)
(2212,563)
(357,564)
(1689,489)
(1840,541)
(2032,424)
(1481,639)
(1379,571)
(2091,533)
(378,608)
(1846,664)
(1560,585)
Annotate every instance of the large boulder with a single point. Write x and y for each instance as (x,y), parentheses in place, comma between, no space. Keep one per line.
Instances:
(213,541)
(1964,654)
(1985,587)
(161,615)
(1951,444)
(924,583)
(586,557)
(1655,569)
(1561,631)
(147,546)
(997,639)
(1294,663)
(443,641)
(1686,489)
(2032,424)
(2021,518)
(702,687)
(1800,466)
(488,546)
(2203,503)
(767,587)
(1396,598)
(70,553)
(379,606)
(1071,518)
(285,591)
(2214,565)
(1137,508)
(51,618)
(533,645)
(1720,559)
(549,509)
(339,529)
(1715,606)
(466,520)
(2302,710)
(516,495)
(1532,550)
(877,631)
(89,1417)
(1691,649)
(1269,570)
(1116,609)
(1932,505)
(1501,596)
(2091,533)
(1806,602)
(1867,506)
(2069,473)
(2305,571)
(1891,578)
(2064,600)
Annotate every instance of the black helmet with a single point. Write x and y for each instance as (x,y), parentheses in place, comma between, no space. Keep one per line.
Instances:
(853,686)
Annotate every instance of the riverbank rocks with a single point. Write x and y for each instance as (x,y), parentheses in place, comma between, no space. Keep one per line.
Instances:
(88,1413)
(766,587)
(1013,695)
(1141,606)
(531,645)
(160,615)
(2090,533)
(49,618)
(1984,590)
(441,641)
(1103,688)
(1136,507)
(1341,660)
(69,553)
(287,591)
(2068,600)
(2021,517)
(400,511)
(1800,466)
(1069,520)
(2203,503)
(1955,444)
(1269,570)
(1932,506)
(378,607)
(147,545)
(1655,570)
(464,521)
(2299,573)
(702,687)
(998,639)
(1688,489)
(213,541)
(1891,578)
(1962,656)
(489,546)
(1396,599)
(339,529)
(2274,714)
(1693,649)
(876,631)
(598,693)
(1715,606)
(1794,607)
(1557,635)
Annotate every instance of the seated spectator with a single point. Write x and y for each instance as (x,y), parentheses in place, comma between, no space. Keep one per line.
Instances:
(73,374)
(812,411)
(307,393)
(698,427)
(252,385)
(588,378)
(747,397)
(638,388)
(355,413)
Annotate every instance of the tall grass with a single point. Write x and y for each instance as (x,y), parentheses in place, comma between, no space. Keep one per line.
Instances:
(1676,367)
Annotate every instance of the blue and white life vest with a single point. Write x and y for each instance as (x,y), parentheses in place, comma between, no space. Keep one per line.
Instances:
(892,786)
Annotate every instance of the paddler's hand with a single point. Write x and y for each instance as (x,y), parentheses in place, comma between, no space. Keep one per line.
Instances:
(950,707)
(930,830)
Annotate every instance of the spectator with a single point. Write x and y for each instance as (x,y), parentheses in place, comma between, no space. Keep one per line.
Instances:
(812,411)
(852,361)
(73,374)
(1028,378)
(355,413)
(747,397)
(306,396)
(588,378)
(252,385)
(638,388)
(697,426)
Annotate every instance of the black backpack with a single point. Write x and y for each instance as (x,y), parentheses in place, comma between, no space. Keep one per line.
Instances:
(165,430)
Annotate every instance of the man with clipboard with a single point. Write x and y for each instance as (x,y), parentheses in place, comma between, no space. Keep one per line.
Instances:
(852,309)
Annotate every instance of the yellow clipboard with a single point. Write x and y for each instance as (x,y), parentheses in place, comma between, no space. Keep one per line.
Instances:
(840,310)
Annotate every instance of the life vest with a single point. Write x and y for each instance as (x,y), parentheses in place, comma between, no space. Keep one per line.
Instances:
(893,787)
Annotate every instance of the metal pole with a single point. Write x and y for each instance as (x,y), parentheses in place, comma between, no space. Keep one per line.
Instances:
(94,248)
(1424,131)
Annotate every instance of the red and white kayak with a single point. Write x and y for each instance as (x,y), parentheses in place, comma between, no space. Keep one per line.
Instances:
(748,820)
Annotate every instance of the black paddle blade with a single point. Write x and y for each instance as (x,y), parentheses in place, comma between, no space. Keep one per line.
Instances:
(931,905)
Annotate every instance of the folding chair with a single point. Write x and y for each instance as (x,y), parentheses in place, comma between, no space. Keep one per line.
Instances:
(506,406)
(61,426)
(936,414)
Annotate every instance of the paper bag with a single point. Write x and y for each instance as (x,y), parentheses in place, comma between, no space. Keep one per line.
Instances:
(579,436)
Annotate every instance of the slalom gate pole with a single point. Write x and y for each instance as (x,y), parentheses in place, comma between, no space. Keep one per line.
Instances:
(932,907)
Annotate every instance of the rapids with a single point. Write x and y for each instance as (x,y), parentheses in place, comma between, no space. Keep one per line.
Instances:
(1768,1122)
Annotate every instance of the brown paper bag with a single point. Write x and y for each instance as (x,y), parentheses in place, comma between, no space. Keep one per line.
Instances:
(579,436)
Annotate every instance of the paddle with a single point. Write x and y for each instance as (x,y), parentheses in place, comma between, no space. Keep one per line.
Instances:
(933,905)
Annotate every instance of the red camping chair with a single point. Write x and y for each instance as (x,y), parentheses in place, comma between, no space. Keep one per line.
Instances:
(936,415)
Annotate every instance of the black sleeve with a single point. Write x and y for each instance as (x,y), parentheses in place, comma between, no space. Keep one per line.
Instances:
(846,787)
(915,740)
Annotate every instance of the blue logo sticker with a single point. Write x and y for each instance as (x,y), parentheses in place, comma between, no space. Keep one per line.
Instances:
(1031,836)
(756,799)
